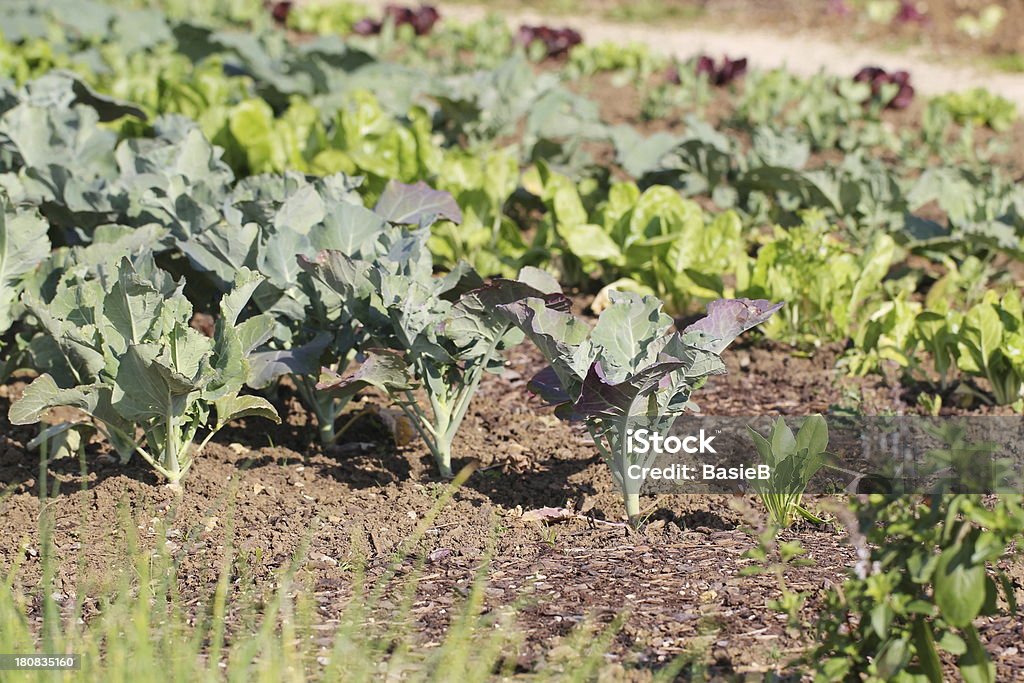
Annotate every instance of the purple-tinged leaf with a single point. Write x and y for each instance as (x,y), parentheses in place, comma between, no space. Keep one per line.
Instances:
(474,323)
(557,334)
(728,319)
(280,11)
(723,73)
(267,366)
(868,74)
(911,13)
(417,204)
(705,66)
(501,291)
(599,398)
(422,19)
(903,98)
(878,78)
(548,386)
(366,27)
(556,41)
(383,368)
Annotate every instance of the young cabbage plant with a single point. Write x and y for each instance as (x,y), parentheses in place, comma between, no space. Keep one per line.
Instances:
(313,329)
(793,460)
(440,334)
(23,246)
(129,359)
(270,222)
(629,369)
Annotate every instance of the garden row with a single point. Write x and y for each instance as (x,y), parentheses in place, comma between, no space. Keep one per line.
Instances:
(109,181)
(840,261)
(170,188)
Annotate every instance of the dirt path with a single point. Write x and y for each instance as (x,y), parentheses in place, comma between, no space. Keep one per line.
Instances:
(800,54)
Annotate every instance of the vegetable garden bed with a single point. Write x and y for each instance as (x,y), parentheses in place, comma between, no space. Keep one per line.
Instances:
(323,354)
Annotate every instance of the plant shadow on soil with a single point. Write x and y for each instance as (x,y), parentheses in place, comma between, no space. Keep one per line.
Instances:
(19,470)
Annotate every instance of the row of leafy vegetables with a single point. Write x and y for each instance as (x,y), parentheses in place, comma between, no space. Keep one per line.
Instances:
(152,196)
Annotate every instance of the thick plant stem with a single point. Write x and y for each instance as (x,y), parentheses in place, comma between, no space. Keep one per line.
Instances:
(443,458)
(171,452)
(632,508)
(325,429)
(325,415)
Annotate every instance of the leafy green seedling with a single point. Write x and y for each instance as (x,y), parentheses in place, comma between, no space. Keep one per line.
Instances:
(991,345)
(792,460)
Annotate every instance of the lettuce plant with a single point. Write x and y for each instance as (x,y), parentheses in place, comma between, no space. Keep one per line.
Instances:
(827,285)
(336,18)
(938,332)
(891,89)
(889,334)
(127,357)
(421,19)
(487,239)
(723,73)
(630,62)
(437,333)
(651,242)
(629,368)
(978,107)
(991,345)
(547,42)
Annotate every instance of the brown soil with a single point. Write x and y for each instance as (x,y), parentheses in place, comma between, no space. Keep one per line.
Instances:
(678,581)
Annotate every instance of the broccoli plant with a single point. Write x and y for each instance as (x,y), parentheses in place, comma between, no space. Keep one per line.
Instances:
(629,368)
(438,333)
(23,246)
(126,356)
(313,329)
